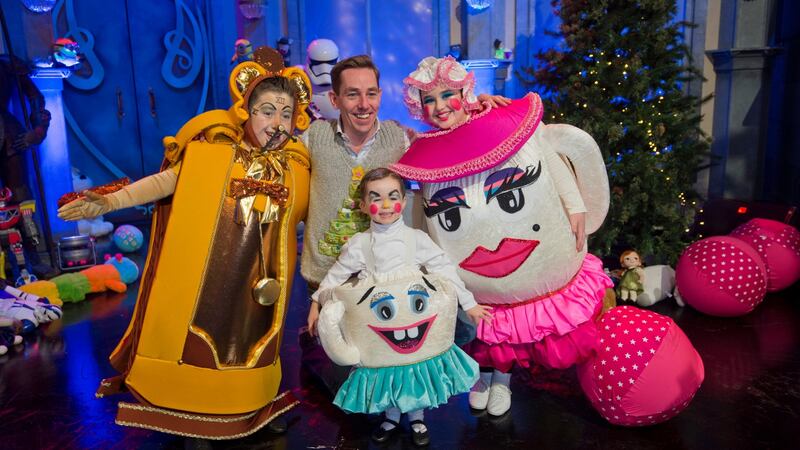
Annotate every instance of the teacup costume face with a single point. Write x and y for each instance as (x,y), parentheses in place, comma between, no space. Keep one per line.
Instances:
(398,319)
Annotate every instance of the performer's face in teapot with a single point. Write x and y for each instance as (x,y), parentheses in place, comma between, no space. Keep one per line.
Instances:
(383,200)
(269,110)
(443,107)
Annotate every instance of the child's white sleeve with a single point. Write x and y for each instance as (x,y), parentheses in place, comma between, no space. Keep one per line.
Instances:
(565,183)
(350,261)
(436,261)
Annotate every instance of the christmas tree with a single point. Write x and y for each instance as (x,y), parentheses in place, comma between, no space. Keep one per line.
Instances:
(349,220)
(619,74)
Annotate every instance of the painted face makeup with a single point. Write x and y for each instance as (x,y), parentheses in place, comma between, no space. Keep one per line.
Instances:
(270,110)
(383,200)
(444,107)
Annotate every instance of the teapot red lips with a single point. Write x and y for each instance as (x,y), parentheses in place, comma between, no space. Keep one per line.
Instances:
(503,261)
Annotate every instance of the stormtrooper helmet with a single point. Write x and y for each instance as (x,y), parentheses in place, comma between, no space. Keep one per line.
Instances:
(323,54)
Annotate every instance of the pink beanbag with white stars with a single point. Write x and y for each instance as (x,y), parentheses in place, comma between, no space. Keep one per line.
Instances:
(645,372)
(721,276)
(779,246)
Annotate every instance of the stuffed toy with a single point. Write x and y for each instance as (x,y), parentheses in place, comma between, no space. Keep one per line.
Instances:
(95,226)
(659,283)
(632,280)
(9,334)
(114,275)
(29,309)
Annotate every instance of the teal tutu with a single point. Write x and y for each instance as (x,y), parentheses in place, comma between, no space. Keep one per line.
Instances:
(426,384)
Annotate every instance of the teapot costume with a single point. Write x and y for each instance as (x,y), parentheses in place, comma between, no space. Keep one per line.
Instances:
(498,190)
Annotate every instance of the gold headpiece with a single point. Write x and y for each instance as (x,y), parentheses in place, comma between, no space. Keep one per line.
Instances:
(268,62)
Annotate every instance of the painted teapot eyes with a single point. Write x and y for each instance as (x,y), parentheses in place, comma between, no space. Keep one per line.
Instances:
(511,201)
(418,298)
(449,220)
(382,305)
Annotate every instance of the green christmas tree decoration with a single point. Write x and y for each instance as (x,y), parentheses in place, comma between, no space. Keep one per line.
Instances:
(620,74)
(349,219)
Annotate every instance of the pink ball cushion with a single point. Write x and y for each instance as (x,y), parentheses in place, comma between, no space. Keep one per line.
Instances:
(779,247)
(721,276)
(645,372)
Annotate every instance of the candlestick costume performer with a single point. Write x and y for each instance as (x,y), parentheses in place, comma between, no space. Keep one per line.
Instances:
(201,352)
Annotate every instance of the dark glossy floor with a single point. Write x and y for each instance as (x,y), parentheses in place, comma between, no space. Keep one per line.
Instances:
(750,397)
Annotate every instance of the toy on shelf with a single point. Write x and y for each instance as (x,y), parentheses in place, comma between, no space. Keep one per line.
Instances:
(114,275)
(242,51)
(16,223)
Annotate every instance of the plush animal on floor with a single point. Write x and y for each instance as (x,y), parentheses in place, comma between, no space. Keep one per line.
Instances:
(92,227)
(659,283)
(9,334)
(114,275)
(29,309)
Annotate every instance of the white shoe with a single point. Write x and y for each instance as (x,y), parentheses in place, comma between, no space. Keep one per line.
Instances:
(479,395)
(499,399)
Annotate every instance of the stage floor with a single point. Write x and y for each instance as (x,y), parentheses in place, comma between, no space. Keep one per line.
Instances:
(750,397)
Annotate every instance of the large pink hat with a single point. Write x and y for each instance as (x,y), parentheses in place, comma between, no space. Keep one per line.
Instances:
(482,142)
(432,72)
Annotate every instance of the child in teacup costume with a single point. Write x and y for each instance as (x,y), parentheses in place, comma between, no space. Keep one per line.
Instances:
(394,322)
(503,204)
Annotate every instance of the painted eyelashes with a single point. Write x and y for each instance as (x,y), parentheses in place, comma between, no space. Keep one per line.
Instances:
(444,200)
(510,179)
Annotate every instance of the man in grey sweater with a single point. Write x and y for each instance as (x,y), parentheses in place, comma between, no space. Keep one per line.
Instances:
(341,152)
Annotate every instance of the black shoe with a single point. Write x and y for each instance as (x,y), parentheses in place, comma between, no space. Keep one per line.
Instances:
(277,425)
(381,435)
(420,439)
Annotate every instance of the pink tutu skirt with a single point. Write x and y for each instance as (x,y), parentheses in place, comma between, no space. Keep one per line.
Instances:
(556,331)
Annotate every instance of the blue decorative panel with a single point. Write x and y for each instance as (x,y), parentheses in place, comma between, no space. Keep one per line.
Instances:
(146,74)
(396,33)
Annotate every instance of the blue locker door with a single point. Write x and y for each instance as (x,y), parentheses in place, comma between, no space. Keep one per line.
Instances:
(170,50)
(99,99)
(144,76)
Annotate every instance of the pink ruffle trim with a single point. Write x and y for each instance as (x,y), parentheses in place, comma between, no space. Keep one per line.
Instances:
(483,141)
(554,351)
(559,314)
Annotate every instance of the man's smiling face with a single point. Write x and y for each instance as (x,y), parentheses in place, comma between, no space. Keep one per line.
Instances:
(358,100)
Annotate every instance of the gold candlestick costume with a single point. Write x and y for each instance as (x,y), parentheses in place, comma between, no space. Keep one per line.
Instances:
(201,353)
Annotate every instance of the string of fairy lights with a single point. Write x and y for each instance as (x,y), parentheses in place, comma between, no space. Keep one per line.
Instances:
(659,96)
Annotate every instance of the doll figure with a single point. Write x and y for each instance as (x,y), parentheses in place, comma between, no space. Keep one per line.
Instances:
(510,200)
(631,281)
(395,323)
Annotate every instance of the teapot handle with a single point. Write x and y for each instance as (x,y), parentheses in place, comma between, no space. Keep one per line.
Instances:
(330,334)
(584,159)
